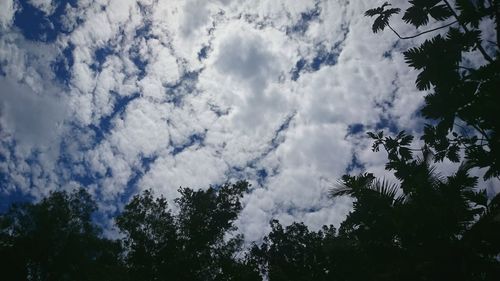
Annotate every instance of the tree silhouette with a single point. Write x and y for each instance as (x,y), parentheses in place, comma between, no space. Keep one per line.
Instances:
(428,227)
(464,100)
(443,226)
(295,253)
(190,244)
(56,240)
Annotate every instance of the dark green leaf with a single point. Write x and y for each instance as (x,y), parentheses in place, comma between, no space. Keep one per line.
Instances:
(440,12)
(416,16)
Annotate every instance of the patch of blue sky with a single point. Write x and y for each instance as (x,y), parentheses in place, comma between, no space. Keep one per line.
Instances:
(105,217)
(295,210)
(387,54)
(77,171)
(262,174)
(203,53)
(302,24)
(147,161)
(355,165)
(62,65)
(145,31)
(387,123)
(386,120)
(194,139)
(184,86)
(278,134)
(9,193)
(100,56)
(10,197)
(105,125)
(321,58)
(355,128)
(217,110)
(324,58)
(135,56)
(85,177)
(140,63)
(35,25)
(237,172)
(132,186)
(301,63)
(142,32)
(8,146)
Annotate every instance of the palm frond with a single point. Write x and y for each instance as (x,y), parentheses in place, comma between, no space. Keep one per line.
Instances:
(340,190)
(385,189)
(366,184)
(351,185)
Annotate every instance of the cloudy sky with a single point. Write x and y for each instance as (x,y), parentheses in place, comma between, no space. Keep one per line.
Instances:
(118,96)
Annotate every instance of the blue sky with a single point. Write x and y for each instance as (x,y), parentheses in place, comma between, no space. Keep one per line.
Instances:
(119,96)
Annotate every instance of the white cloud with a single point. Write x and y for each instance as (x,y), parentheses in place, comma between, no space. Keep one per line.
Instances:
(196,15)
(30,118)
(32,125)
(169,173)
(143,129)
(46,6)
(7,12)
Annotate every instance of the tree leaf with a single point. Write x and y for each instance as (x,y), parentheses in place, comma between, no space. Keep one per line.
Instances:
(416,16)
(440,12)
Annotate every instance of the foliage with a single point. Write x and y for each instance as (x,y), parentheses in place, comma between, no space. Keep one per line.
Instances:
(435,228)
(463,101)
(188,245)
(424,230)
(295,253)
(428,226)
(383,16)
(56,240)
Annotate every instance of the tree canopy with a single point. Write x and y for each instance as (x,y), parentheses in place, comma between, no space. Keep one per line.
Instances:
(188,245)
(56,239)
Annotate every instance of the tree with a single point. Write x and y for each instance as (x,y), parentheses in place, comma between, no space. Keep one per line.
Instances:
(463,103)
(56,239)
(449,217)
(425,227)
(294,253)
(428,227)
(191,244)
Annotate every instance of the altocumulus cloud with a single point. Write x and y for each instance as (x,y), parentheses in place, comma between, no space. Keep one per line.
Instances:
(119,96)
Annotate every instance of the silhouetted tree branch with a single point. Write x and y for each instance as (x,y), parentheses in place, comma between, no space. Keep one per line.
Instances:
(421,33)
(464,27)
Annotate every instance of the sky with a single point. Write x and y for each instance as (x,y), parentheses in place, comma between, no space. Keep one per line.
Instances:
(119,96)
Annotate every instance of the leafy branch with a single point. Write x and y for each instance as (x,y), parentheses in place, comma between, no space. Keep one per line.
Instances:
(464,27)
